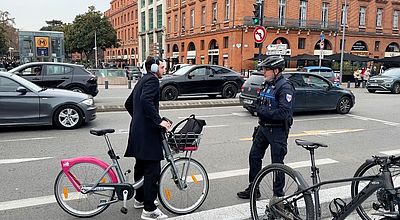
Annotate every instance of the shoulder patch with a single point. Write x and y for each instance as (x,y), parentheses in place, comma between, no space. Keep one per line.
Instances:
(288,97)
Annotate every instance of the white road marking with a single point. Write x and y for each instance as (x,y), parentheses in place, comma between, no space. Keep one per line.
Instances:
(27,139)
(8,161)
(215,126)
(174,110)
(395,124)
(390,152)
(22,203)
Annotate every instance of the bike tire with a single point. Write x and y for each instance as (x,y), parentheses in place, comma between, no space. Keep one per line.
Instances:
(173,198)
(76,203)
(370,168)
(301,207)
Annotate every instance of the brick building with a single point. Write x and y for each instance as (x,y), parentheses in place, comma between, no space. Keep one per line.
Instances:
(123,15)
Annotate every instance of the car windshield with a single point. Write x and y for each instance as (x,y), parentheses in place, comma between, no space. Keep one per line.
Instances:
(26,83)
(392,72)
(182,71)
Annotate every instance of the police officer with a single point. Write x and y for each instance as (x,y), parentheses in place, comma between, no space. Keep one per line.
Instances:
(275,111)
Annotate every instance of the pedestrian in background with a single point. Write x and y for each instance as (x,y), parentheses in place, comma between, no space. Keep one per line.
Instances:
(357,77)
(145,140)
(275,112)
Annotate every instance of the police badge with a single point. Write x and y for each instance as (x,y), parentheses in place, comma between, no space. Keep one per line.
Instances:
(288,97)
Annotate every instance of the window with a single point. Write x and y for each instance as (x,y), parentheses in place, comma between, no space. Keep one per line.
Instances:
(8,85)
(183,21)
(159,16)
(227,8)
(202,45)
(226,42)
(142,3)
(282,6)
(344,15)
(303,13)
(377,45)
(32,71)
(199,71)
(395,19)
(169,25)
(151,26)
(58,70)
(379,15)
(168,48)
(176,23)
(203,15)
(143,15)
(192,18)
(214,12)
(183,46)
(363,10)
(150,2)
(315,82)
(302,43)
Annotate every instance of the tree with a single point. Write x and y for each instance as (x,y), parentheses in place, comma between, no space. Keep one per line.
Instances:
(53,25)
(80,36)
(8,34)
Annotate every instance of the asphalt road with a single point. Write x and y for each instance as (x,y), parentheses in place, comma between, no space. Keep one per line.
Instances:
(371,128)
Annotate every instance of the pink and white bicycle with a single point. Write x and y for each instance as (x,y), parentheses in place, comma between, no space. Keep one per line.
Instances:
(86,186)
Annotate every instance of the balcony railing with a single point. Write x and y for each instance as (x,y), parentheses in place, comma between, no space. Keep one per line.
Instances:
(294,23)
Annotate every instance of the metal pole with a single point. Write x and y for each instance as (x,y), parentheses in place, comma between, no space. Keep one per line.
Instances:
(343,35)
(95,48)
(261,24)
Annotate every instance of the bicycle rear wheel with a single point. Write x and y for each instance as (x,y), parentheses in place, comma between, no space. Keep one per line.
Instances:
(379,202)
(298,207)
(187,200)
(73,201)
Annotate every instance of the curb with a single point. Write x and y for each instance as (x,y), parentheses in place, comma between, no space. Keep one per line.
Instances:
(177,105)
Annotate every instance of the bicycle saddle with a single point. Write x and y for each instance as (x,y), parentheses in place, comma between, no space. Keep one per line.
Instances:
(309,145)
(100,132)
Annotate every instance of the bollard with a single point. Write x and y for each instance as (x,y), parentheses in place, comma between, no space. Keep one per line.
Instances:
(348,84)
(364,83)
(129,84)
(106,84)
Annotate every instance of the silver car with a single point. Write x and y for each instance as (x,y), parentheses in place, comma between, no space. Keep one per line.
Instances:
(25,103)
(387,81)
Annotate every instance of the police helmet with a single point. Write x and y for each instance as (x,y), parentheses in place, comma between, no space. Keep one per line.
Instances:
(273,62)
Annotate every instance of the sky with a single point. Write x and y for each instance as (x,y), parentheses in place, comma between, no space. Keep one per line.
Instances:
(30,15)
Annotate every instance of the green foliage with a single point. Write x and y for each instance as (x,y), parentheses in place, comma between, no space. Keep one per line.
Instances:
(7,32)
(3,41)
(53,25)
(80,35)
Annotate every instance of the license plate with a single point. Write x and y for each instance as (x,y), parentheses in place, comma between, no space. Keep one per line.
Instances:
(247,101)
(373,84)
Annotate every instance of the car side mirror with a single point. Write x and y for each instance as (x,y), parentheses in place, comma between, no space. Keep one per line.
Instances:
(190,75)
(22,90)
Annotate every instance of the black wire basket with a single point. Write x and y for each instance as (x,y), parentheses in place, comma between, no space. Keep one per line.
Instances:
(180,142)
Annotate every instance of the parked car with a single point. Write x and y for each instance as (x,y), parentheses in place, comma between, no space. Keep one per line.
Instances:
(59,75)
(208,80)
(313,92)
(133,71)
(387,81)
(25,103)
(323,71)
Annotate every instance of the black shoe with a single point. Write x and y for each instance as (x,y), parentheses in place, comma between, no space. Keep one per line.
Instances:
(246,193)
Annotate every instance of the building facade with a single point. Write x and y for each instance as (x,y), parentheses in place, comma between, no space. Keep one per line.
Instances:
(221,31)
(123,16)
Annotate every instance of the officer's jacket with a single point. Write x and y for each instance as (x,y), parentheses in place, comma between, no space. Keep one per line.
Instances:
(276,101)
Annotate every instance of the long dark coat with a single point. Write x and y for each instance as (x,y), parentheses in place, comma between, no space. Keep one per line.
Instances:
(144,140)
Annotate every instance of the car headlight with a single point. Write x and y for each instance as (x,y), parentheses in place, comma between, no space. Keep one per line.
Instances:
(88,102)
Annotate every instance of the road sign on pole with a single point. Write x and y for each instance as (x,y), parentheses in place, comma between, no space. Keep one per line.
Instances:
(259,34)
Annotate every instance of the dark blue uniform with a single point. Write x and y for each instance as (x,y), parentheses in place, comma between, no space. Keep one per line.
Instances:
(275,112)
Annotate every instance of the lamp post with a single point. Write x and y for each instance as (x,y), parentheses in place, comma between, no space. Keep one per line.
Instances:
(343,35)
(95,48)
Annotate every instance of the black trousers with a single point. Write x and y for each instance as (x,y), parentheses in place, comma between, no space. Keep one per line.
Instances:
(277,138)
(150,169)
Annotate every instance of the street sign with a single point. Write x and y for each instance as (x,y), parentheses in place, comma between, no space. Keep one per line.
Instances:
(321,45)
(259,34)
(322,37)
(42,46)
(277,49)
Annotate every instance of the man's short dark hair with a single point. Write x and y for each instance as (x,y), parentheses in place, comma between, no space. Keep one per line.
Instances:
(149,61)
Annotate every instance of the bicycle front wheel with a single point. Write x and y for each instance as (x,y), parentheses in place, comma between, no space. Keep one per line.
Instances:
(73,201)
(264,203)
(380,201)
(183,200)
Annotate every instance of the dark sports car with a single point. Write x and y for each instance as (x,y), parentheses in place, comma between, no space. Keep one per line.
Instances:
(313,93)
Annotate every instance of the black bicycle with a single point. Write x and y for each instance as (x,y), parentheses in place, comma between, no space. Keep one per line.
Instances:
(374,190)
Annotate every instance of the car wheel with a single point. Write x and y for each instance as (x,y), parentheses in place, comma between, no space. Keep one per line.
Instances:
(212,96)
(78,89)
(229,91)
(371,90)
(68,117)
(343,105)
(169,93)
(396,88)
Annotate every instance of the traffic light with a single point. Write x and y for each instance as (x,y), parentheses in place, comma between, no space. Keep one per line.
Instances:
(257,13)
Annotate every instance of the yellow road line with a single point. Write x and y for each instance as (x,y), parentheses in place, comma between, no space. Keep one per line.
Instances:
(315,133)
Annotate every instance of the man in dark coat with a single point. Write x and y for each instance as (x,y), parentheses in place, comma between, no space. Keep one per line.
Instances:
(145,141)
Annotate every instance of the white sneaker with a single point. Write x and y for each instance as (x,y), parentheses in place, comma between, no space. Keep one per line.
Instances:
(140,205)
(156,214)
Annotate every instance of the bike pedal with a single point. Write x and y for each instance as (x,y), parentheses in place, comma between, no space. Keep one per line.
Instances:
(124,210)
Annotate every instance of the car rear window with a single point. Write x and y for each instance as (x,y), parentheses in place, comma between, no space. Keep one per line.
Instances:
(258,79)
(327,74)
